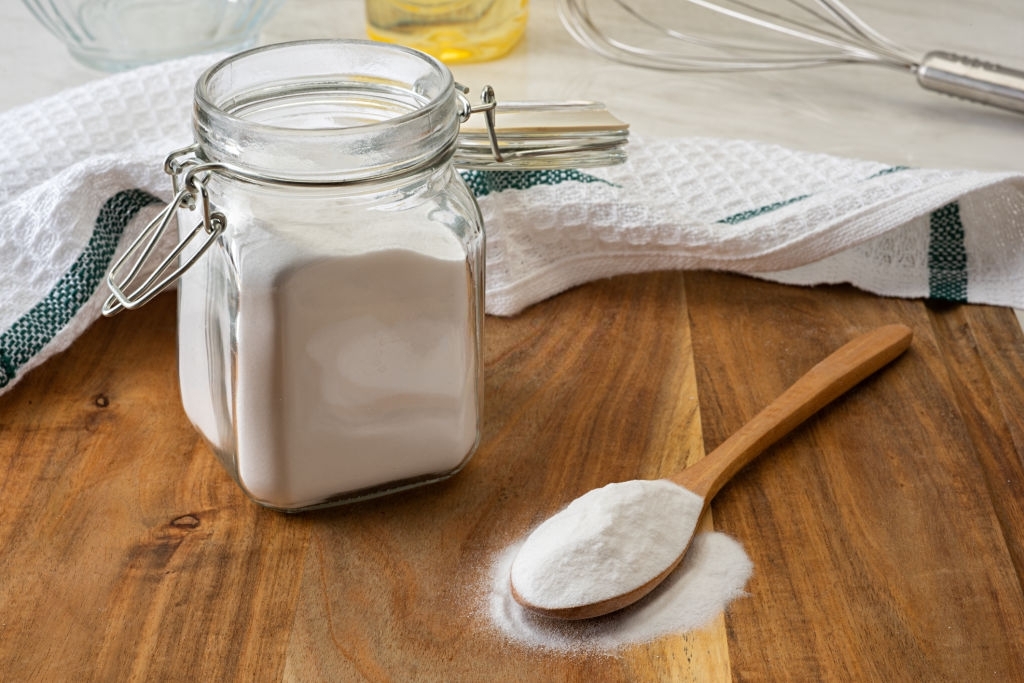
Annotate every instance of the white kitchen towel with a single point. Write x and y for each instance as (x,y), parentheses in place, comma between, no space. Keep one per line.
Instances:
(82,170)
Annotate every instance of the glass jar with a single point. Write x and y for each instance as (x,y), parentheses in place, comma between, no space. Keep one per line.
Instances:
(331,300)
(331,262)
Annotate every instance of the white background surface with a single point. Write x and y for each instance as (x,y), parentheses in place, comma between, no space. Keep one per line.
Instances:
(857,111)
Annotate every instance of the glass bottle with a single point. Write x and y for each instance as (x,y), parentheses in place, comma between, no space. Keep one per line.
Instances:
(451,30)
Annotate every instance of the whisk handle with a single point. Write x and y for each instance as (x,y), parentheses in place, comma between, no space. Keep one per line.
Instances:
(972,79)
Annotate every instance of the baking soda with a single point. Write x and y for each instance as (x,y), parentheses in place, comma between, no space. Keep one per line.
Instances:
(607,543)
(713,573)
(355,364)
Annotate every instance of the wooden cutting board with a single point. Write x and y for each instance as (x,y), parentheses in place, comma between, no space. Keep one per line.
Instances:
(886,533)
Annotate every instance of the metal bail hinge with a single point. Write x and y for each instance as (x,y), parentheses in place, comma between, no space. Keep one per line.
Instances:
(487,105)
(130,287)
(537,135)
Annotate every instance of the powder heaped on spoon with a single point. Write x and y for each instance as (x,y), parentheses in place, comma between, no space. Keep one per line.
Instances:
(605,543)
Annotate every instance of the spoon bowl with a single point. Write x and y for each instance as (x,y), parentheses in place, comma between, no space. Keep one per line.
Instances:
(822,384)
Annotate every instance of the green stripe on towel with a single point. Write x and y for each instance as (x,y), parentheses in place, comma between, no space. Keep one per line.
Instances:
(887,171)
(761,210)
(483,183)
(33,331)
(947,255)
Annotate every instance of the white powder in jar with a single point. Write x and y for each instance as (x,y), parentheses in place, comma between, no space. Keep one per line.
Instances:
(355,364)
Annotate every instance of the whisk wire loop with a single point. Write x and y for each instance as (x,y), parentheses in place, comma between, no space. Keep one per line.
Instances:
(814,33)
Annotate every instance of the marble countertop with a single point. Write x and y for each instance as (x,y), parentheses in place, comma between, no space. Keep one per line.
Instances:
(857,111)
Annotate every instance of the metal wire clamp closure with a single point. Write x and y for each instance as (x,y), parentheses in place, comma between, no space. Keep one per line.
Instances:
(488,105)
(127,292)
(538,135)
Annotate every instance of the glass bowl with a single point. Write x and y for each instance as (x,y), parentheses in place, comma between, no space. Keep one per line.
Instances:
(113,35)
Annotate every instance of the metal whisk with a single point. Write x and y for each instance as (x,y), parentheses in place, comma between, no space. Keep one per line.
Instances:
(812,33)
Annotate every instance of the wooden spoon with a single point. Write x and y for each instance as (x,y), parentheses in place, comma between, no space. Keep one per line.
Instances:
(822,384)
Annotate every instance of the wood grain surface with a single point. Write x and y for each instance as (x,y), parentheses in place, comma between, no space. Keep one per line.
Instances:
(886,532)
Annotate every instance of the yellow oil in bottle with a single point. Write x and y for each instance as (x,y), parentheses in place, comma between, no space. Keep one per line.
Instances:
(451,30)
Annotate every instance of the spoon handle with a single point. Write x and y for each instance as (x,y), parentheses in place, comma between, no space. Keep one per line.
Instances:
(826,381)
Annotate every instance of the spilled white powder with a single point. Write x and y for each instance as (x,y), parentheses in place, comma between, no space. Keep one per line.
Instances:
(606,543)
(713,573)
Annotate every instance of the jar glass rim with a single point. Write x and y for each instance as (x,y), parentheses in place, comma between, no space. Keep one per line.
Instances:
(328,109)
(202,91)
